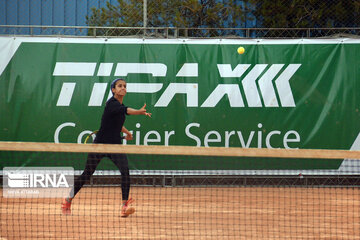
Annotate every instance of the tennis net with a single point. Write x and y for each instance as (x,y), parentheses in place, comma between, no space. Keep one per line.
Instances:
(184,193)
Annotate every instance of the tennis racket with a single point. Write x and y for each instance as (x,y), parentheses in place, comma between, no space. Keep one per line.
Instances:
(90,135)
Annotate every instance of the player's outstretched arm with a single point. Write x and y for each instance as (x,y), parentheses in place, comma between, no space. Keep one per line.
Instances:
(141,111)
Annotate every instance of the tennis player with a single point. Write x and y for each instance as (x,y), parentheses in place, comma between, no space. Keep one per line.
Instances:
(112,123)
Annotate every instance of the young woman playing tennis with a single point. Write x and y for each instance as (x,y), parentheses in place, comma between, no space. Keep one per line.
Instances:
(112,123)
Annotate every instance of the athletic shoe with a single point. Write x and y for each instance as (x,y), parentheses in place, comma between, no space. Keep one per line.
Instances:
(66,206)
(126,209)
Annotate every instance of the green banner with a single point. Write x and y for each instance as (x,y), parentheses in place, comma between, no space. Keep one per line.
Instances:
(277,94)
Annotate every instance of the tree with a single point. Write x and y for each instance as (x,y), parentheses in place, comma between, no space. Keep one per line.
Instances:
(168,13)
(219,14)
(307,13)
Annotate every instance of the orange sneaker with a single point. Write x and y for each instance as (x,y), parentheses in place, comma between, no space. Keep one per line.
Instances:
(66,206)
(126,209)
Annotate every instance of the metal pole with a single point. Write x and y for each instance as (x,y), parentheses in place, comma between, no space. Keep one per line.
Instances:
(145,13)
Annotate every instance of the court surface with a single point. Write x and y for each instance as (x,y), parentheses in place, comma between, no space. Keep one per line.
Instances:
(189,213)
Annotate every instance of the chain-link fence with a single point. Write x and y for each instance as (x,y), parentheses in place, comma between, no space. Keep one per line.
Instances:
(172,32)
(188,18)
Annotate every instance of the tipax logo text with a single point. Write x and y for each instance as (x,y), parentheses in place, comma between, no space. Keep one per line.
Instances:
(38,181)
(260,83)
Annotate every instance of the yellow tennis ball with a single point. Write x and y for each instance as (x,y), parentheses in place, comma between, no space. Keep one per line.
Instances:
(241,50)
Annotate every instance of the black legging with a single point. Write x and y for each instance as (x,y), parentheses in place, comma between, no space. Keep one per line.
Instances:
(93,159)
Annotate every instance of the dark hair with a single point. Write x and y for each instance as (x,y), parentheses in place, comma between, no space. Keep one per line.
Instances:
(114,82)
